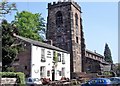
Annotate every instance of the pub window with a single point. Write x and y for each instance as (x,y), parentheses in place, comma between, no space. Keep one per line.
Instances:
(48,54)
(59,73)
(43,55)
(59,19)
(42,71)
(59,57)
(63,71)
(63,59)
(48,73)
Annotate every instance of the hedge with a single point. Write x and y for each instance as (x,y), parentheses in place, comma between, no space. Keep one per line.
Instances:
(107,73)
(20,77)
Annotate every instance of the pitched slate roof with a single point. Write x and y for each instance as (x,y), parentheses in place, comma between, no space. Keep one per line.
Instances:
(38,43)
(94,53)
(97,54)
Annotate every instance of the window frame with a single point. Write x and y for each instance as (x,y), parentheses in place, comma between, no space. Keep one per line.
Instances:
(63,58)
(59,18)
(42,71)
(43,59)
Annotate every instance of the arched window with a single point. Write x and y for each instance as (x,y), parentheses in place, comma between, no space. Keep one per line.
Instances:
(59,19)
(77,31)
(76,19)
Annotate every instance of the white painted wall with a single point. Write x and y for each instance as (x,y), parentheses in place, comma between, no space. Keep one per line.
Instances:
(67,66)
(36,63)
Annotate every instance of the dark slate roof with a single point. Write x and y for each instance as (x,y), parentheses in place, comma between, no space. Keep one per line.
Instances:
(38,43)
(97,54)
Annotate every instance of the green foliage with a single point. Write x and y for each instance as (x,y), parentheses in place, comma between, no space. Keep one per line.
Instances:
(6,7)
(10,69)
(107,54)
(29,24)
(9,50)
(55,57)
(107,73)
(20,76)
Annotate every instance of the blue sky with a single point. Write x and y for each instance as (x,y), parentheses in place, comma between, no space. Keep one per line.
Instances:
(100,23)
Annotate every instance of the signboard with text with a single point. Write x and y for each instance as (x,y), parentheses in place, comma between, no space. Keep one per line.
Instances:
(8,80)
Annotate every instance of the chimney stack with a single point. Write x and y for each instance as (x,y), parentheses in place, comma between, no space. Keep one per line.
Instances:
(94,51)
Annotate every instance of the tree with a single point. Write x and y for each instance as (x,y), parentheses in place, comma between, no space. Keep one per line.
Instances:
(29,24)
(26,24)
(9,50)
(6,8)
(107,54)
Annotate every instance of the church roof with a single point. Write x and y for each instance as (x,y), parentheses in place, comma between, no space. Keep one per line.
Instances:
(95,53)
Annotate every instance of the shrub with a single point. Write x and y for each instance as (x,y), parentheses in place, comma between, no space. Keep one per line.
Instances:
(20,77)
(10,69)
(107,73)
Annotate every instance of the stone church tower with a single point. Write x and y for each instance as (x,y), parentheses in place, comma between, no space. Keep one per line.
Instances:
(64,28)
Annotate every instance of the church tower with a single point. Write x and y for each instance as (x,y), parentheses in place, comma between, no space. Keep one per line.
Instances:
(64,28)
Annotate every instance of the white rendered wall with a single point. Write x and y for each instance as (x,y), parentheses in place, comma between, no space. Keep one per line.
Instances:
(36,63)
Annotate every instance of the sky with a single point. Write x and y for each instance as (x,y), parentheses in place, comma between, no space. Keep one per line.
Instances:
(100,23)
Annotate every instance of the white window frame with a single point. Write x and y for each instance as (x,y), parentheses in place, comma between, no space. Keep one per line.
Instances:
(42,71)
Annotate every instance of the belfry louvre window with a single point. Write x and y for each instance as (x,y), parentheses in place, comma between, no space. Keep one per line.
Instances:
(59,19)
(43,55)
(76,23)
(76,19)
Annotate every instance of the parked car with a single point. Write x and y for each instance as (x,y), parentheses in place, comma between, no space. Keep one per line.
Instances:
(98,82)
(115,80)
(33,81)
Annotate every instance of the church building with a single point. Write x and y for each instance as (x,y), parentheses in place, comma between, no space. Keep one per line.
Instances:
(65,30)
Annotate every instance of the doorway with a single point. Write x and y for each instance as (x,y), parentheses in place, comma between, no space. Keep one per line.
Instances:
(53,75)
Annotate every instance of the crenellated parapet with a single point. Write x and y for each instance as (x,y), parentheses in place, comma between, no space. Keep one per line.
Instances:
(64,3)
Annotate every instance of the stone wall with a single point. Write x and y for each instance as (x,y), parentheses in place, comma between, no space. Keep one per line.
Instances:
(66,37)
(23,63)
